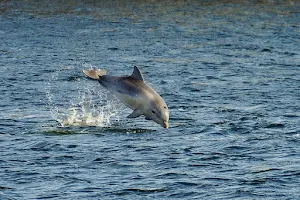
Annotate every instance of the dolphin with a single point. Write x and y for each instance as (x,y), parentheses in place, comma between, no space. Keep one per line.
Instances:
(135,94)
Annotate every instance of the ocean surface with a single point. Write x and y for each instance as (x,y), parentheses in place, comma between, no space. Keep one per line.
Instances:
(229,72)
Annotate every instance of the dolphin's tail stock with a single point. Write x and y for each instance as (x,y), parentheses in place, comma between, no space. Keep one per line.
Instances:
(94,73)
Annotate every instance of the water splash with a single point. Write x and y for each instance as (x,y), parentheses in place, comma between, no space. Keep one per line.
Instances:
(89,106)
(88,113)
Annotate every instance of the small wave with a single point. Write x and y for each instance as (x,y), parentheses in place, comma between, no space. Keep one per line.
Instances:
(97,130)
(139,191)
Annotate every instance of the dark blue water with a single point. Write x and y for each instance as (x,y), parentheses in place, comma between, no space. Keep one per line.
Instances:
(229,72)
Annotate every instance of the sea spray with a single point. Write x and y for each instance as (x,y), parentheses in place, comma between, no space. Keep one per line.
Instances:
(85,103)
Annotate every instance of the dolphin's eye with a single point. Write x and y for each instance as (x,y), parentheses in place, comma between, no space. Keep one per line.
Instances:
(153,111)
(165,107)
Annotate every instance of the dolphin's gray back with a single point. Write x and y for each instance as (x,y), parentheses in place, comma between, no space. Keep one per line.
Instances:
(123,85)
(132,92)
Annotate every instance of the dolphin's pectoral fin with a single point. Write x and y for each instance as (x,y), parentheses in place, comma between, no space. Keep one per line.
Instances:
(136,113)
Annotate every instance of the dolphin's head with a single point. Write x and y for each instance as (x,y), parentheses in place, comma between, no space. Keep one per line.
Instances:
(159,113)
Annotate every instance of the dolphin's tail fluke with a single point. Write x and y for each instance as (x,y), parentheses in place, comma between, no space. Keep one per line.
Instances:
(94,73)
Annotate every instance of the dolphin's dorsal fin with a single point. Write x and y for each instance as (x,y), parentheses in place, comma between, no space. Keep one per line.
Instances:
(136,74)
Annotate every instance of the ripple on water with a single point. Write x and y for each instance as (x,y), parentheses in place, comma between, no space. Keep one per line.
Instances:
(228,70)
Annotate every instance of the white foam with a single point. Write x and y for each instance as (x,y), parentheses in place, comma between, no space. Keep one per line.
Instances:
(90,106)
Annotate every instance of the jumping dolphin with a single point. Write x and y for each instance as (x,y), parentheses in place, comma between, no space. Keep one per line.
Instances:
(134,93)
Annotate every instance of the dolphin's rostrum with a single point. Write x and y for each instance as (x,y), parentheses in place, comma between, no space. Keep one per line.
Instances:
(134,93)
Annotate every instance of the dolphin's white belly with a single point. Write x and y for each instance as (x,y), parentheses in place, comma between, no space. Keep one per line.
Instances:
(131,102)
